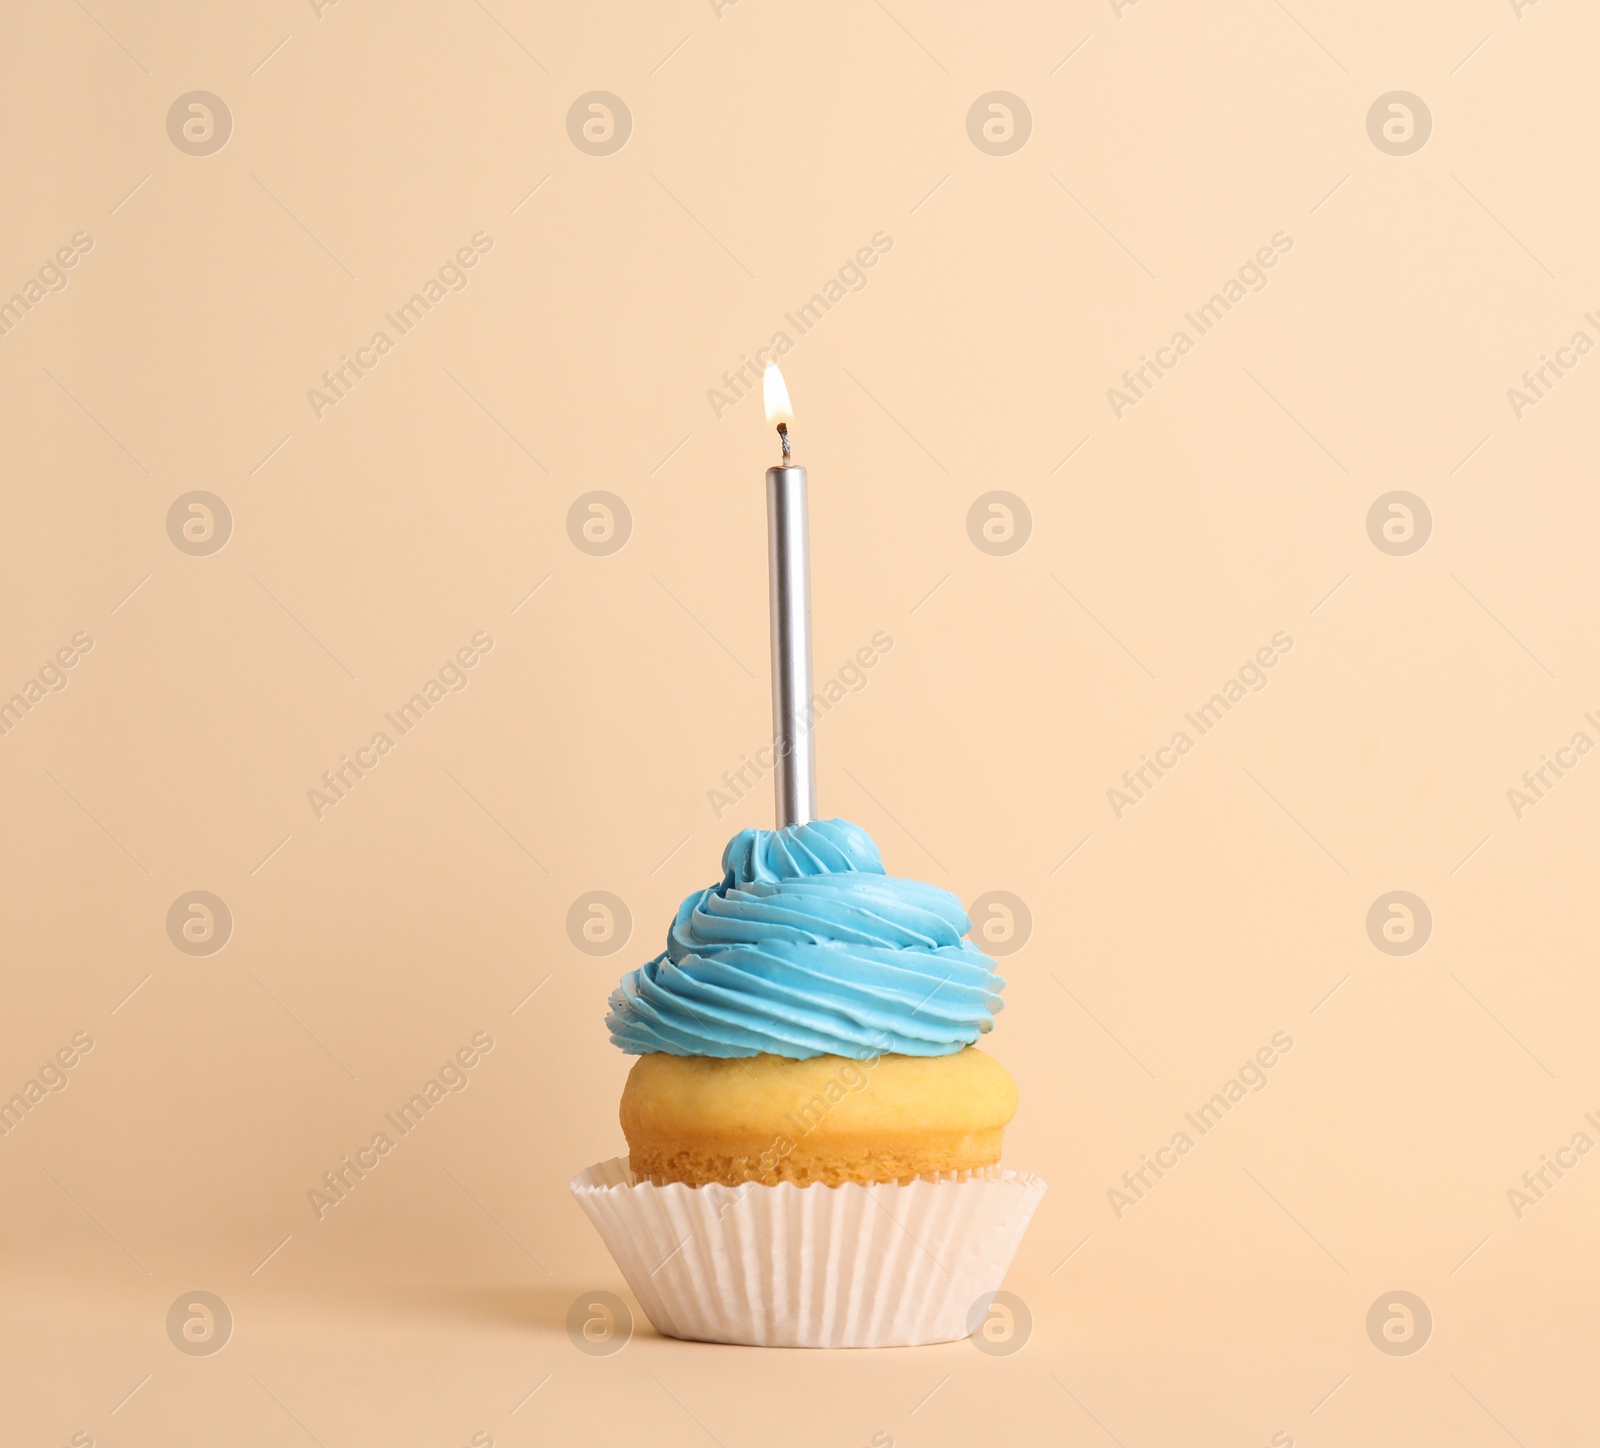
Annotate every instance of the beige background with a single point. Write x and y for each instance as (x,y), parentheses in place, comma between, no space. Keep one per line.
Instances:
(768,143)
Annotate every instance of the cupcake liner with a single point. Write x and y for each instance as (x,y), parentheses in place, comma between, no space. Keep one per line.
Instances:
(894,1264)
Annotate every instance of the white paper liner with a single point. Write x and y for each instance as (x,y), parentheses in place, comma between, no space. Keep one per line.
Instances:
(895,1264)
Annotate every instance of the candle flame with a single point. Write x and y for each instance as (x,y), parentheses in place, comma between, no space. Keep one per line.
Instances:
(775,394)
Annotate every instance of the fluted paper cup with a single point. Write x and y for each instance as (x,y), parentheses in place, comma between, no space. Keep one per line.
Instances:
(888,1265)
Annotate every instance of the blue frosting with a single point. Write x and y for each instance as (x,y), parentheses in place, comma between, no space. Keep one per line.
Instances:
(807,948)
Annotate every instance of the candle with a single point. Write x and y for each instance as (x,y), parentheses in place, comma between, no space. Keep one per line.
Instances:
(789,576)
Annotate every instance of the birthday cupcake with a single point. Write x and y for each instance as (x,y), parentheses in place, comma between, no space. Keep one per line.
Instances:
(814,1139)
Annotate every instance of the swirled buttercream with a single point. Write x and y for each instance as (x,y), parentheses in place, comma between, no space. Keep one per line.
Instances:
(807,948)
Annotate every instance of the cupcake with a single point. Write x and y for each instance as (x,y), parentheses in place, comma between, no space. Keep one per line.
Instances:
(813,1137)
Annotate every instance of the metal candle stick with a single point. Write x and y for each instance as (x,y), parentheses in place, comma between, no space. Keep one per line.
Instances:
(789,573)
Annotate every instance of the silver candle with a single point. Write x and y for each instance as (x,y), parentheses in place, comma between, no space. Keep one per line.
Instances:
(789,575)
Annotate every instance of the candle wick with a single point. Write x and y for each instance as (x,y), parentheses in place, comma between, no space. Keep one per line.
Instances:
(783,435)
